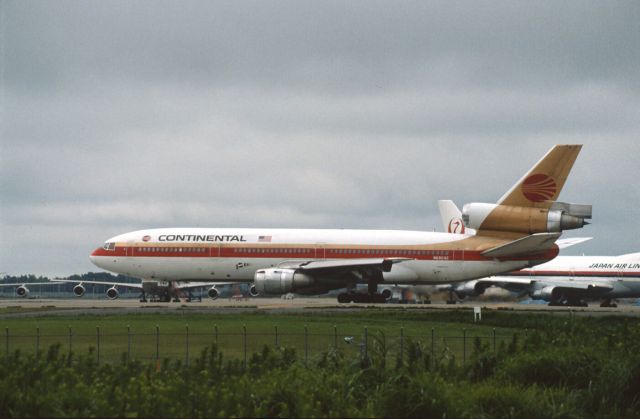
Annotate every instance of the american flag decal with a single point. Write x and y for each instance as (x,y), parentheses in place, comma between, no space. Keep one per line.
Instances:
(264,239)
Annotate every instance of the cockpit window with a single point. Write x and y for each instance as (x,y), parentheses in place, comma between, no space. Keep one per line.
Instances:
(109,246)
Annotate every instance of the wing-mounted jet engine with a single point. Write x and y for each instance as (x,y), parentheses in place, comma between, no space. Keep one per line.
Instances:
(22,291)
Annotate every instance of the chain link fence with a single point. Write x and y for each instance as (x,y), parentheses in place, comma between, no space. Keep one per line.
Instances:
(155,345)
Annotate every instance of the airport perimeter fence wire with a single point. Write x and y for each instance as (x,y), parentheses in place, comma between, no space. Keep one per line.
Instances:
(154,345)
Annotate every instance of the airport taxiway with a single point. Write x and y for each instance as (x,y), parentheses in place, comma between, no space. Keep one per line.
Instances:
(16,307)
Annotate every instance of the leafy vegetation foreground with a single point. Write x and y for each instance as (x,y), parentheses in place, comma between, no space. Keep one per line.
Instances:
(578,368)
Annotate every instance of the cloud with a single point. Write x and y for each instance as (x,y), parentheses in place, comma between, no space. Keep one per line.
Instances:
(120,116)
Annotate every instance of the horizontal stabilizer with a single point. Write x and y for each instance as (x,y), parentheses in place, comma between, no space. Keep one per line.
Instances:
(534,243)
(571,241)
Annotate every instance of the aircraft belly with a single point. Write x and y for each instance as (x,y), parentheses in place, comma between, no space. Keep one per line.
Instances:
(443,271)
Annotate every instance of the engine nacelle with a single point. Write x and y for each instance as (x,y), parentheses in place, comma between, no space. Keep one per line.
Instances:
(470,289)
(549,293)
(280,281)
(112,293)
(253,291)
(22,291)
(79,290)
(559,217)
(213,293)
(386,294)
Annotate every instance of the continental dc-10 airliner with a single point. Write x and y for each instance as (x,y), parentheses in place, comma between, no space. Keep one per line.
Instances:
(518,231)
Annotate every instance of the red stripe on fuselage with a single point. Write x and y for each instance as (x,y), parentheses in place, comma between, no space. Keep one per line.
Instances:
(585,274)
(289,252)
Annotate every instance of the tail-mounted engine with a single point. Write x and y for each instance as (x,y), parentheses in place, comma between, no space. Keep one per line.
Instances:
(560,216)
(280,281)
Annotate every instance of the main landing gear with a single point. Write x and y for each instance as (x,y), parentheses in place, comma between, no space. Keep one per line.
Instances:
(452,298)
(608,303)
(372,296)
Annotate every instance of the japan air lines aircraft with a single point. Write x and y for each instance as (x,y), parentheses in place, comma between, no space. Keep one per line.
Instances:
(518,231)
(568,280)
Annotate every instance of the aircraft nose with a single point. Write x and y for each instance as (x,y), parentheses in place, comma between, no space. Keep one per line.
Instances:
(93,257)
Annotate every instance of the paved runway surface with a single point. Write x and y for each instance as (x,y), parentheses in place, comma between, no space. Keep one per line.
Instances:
(16,307)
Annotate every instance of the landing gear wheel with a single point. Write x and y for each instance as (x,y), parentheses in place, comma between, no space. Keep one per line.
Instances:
(451,299)
(344,298)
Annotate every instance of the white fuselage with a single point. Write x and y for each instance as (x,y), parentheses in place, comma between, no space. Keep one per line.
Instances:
(234,255)
(621,272)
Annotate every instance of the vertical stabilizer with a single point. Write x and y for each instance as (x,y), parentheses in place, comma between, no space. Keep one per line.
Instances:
(543,183)
(451,218)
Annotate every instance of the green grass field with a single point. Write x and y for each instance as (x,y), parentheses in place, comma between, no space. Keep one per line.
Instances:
(539,365)
(181,335)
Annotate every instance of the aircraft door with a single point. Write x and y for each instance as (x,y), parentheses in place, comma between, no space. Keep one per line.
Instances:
(320,251)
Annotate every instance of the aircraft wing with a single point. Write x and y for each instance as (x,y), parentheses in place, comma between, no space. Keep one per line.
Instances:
(185,285)
(533,243)
(115,284)
(516,284)
(383,264)
(17,284)
(590,286)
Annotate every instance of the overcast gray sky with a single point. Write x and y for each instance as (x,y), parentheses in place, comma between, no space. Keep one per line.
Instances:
(123,115)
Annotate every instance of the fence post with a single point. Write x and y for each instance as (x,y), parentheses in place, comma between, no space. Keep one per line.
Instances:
(37,342)
(366,341)
(157,343)
(401,345)
(276,328)
(494,339)
(335,337)
(464,346)
(433,351)
(306,344)
(98,344)
(215,332)
(187,346)
(244,334)
(128,343)
(70,338)
(6,340)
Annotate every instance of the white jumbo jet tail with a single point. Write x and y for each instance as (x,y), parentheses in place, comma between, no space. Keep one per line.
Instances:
(451,217)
